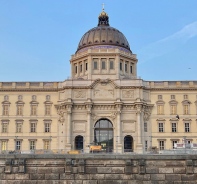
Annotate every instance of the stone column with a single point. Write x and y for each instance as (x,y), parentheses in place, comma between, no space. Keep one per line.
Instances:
(88,129)
(89,66)
(69,127)
(117,64)
(139,146)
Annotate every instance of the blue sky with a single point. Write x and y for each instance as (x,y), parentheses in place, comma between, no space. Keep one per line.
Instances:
(37,37)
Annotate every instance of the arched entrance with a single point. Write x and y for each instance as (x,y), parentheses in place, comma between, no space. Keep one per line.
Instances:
(128,143)
(79,142)
(103,134)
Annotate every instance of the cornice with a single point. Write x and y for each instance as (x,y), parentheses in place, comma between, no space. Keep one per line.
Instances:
(172,89)
(24,90)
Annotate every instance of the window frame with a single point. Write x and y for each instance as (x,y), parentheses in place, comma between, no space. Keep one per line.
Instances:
(160,128)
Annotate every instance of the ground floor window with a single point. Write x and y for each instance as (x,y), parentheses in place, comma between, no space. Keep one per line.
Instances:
(128,143)
(79,142)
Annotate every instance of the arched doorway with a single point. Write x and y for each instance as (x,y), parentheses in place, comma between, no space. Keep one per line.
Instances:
(128,143)
(79,142)
(103,134)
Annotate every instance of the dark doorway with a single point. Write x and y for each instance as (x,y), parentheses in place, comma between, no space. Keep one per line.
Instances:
(79,142)
(128,143)
(103,134)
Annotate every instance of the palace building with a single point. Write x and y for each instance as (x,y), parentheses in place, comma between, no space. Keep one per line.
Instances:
(104,103)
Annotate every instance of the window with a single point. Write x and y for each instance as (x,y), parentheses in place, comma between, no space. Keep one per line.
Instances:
(161,127)
(145,127)
(103,65)
(75,69)
(146,145)
(86,66)
(174,127)
(19,110)
(95,65)
(172,97)
(32,145)
(5,110)
(4,127)
(126,69)
(173,109)
(33,110)
(173,144)
(131,69)
(47,110)
(20,97)
(46,144)
(18,145)
(185,97)
(160,109)
(48,97)
(33,97)
(185,109)
(6,98)
(3,145)
(81,68)
(33,127)
(111,65)
(121,66)
(159,97)
(47,127)
(18,127)
(161,145)
(187,127)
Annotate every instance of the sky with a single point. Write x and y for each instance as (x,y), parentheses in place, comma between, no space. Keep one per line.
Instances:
(38,37)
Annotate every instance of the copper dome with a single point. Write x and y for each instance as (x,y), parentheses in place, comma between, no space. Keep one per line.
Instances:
(103,34)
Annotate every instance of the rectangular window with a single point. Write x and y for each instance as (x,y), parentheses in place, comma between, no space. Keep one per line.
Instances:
(111,65)
(174,128)
(3,145)
(126,69)
(18,127)
(172,97)
(131,69)
(86,66)
(19,110)
(81,68)
(47,127)
(4,127)
(120,66)
(18,145)
(146,145)
(173,109)
(145,127)
(187,127)
(33,127)
(75,69)
(33,110)
(186,109)
(46,144)
(32,145)
(161,145)
(161,127)
(159,97)
(103,65)
(47,110)
(160,109)
(173,144)
(5,110)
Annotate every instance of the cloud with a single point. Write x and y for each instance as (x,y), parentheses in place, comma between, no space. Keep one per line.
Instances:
(169,43)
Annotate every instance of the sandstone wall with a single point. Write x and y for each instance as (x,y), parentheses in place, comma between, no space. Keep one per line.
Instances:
(98,169)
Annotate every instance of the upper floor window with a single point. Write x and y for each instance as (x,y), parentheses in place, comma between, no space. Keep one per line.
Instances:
(75,69)
(18,145)
(81,68)
(86,66)
(32,144)
(5,109)
(33,126)
(47,110)
(6,98)
(146,145)
(103,65)
(126,69)
(173,109)
(47,126)
(4,126)
(4,145)
(145,127)
(111,65)
(185,109)
(33,97)
(160,109)
(161,145)
(174,142)
(95,64)
(46,144)
(161,127)
(121,66)
(174,127)
(185,97)
(19,110)
(172,97)
(187,127)
(19,127)
(33,110)
(131,69)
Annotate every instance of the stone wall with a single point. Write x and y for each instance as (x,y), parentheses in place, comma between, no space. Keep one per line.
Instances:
(98,169)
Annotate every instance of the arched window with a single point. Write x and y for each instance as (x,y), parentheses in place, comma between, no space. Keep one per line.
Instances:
(128,143)
(103,134)
(79,142)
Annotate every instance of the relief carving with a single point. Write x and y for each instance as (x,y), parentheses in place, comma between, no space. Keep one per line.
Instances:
(147,113)
(80,94)
(128,94)
(61,116)
(104,93)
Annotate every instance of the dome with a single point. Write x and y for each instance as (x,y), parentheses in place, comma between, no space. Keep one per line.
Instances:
(103,34)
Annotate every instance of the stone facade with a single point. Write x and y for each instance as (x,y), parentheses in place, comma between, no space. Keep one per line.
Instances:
(83,169)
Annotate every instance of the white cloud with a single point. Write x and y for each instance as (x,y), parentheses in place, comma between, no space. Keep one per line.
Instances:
(169,43)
